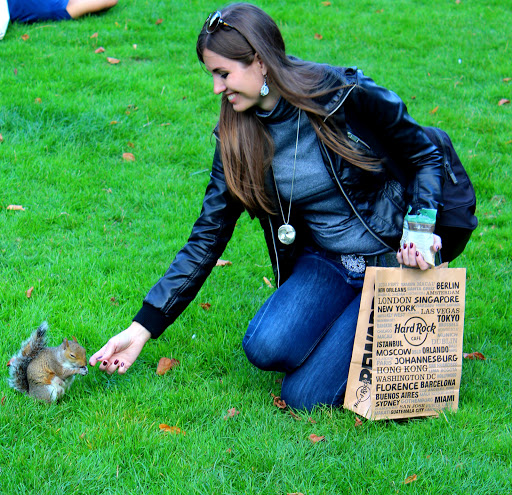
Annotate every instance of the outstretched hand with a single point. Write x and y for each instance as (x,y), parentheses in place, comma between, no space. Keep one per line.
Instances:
(121,351)
(409,255)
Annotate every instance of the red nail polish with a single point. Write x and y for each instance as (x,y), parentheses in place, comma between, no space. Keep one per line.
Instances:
(417,254)
(116,361)
(105,363)
(122,365)
(410,245)
(405,246)
(400,250)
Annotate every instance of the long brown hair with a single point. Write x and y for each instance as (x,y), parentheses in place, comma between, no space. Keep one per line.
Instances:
(246,146)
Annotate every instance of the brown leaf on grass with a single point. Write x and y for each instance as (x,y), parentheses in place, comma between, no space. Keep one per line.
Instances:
(278,402)
(25,37)
(159,21)
(114,122)
(165,364)
(15,71)
(29,292)
(326,4)
(9,363)
(223,263)
(268,282)
(94,35)
(318,36)
(112,60)
(474,355)
(38,101)
(99,50)
(131,145)
(113,301)
(380,11)
(295,493)
(206,306)
(128,157)
(231,413)
(1,139)
(358,422)
(16,208)
(410,479)
(171,429)
(503,101)
(434,110)
(295,416)
(315,438)
(3,400)
(311,420)
(135,46)
(507,79)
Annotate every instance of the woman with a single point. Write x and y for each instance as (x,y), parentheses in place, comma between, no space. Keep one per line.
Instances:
(288,152)
(55,10)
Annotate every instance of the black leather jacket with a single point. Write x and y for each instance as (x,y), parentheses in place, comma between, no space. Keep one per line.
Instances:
(375,120)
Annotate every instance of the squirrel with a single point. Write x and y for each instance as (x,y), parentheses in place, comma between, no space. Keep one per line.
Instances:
(44,372)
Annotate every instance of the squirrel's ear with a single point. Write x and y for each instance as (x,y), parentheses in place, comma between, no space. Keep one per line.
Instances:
(65,343)
(74,340)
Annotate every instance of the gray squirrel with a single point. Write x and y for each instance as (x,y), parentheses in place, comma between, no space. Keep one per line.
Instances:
(44,372)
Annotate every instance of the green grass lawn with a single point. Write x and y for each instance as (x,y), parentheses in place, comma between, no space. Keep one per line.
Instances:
(97,231)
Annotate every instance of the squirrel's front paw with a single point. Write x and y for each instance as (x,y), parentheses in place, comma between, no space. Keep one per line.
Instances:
(84,370)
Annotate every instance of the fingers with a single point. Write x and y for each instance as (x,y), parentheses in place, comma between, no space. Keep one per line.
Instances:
(408,255)
(118,364)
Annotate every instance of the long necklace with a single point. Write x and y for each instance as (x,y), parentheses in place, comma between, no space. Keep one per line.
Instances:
(286,233)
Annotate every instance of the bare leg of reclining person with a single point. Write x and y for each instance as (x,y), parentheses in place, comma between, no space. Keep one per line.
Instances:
(78,8)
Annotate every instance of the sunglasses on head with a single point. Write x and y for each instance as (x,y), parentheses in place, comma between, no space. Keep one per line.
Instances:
(214,21)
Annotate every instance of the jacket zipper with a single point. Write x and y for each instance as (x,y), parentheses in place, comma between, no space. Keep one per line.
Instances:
(340,103)
(358,215)
(356,139)
(446,164)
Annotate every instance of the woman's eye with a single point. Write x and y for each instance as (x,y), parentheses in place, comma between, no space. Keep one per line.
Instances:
(224,75)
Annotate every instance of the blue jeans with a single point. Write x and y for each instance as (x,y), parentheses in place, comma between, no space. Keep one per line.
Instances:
(306,329)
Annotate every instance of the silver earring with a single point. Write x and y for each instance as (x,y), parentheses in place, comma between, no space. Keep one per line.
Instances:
(264,88)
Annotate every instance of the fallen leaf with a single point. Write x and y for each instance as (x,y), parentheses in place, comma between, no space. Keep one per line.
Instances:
(165,364)
(434,110)
(358,422)
(114,122)
(159,21)
(318,36)
(413,97)
(135,46)
(379,11)
(296,493)
(267,281)
(295,416)
(311,420)
(457,2)
(326,4)
(25,37)
(129,157)
(222,262)
(1,139)
(113,301)
(315,438)
(99,50)
(9,363)
(113,61)
(503,101)
(130,145)
(507,79)
(474,355)
(231,413)
(278,402)
(15,71)
(410,479)
(206,306)
(171,429)
(38,100)
(94,35)
(16,208)
(3,400)
(29,292)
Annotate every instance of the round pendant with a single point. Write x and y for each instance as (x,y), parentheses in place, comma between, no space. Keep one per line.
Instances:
(286,234)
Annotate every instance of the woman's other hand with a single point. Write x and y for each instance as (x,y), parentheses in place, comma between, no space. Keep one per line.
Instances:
(121,351)
(408,254)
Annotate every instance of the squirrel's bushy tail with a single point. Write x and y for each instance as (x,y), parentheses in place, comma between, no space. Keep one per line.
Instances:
(20,361)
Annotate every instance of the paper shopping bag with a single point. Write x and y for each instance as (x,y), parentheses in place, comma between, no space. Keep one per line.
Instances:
(407,356)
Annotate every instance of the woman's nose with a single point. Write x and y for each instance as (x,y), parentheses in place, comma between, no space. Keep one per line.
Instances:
(218,86)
